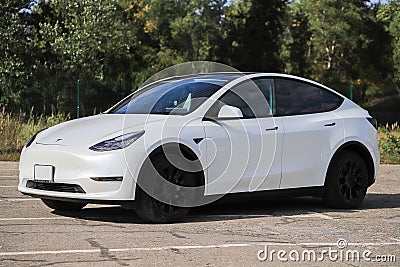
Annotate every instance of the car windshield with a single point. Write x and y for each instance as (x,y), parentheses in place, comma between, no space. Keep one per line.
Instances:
(172,98)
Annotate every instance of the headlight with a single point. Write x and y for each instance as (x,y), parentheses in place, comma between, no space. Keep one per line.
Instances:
(119,142)
(33,138)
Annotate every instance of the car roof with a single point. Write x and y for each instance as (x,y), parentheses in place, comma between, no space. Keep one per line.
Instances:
(228,76)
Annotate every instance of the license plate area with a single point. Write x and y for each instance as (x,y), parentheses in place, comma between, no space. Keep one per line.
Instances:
(44,173)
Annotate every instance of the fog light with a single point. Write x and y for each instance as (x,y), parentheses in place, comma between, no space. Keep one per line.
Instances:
(107,179)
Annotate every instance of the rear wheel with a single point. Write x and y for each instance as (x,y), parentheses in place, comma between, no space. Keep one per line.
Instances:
(150,208)
(347,181)
(63,205)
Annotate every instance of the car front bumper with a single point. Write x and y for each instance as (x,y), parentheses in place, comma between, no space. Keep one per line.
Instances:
(76,170)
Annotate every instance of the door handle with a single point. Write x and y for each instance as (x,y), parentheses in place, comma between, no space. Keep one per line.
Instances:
(272,129)
(330,124)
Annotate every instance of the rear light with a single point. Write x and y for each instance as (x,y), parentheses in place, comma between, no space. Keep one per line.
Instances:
(374,122)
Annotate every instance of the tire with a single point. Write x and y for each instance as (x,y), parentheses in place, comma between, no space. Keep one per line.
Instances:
(346,182)
(152,210)
(63,205)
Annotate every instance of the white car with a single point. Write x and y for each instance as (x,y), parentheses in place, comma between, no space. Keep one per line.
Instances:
(186,141)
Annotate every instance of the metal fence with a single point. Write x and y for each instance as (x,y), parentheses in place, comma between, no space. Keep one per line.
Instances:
(382,102)
(80,98)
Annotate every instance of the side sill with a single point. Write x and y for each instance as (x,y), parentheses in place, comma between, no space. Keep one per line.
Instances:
(315,191)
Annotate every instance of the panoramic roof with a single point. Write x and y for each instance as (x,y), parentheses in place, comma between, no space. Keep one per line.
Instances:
(214,75)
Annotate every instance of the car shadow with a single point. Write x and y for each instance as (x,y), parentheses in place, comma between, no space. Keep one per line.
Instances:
(225,210)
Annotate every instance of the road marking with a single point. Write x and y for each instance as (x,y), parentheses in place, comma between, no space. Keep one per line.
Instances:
(234,215)
(34,219)
(20,199)
(382,192)
(55,218)
(76,251)
(9,176)
(320,215)
(8,186)
(310,215)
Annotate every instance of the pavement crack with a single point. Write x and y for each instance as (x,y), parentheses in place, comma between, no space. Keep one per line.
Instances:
(79,262)
(285,221)
(176,235)
(22,260)
(175,250)
(105,252)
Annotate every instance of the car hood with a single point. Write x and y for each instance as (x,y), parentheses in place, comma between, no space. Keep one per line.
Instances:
(91,130)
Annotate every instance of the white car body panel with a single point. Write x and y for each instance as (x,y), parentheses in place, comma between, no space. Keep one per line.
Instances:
(355,130)
(307,148)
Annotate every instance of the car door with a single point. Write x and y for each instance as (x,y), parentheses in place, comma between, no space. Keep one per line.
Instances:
(243,154)
(312,130)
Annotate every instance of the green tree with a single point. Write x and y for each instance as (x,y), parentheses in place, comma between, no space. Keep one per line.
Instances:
(296,50)
(13,51)
(374,64)
(182,30)
(253,32)
(390,15)
(88,38)
(336,36)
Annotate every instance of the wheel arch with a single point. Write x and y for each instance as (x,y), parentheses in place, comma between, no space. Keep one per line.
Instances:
(363,151)
(186,151)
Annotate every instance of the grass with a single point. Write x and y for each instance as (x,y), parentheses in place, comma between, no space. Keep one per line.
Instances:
(389,143)
(17,129)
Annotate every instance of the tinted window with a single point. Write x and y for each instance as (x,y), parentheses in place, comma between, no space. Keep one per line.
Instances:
(178,97)
(295,98)
(246,96)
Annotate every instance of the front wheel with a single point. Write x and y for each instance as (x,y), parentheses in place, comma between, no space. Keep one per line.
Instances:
(63,205)
(155,211)
(149,207)
(347,181)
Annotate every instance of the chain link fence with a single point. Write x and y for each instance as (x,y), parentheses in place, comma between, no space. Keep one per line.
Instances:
(77,98)
(382,102)
(80,98)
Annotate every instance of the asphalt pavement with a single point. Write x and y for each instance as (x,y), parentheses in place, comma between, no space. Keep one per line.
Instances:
(246,233)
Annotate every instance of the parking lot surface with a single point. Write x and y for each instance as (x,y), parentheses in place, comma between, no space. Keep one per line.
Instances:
(246,233)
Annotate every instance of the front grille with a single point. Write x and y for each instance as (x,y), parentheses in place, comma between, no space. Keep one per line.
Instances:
(58,187)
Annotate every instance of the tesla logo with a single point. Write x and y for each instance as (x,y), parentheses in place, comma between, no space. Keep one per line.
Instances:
(58,140)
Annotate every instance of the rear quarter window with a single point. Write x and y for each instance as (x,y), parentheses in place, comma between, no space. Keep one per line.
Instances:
(296,98)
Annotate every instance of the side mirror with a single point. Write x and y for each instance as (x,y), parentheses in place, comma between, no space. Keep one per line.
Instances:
(229,112)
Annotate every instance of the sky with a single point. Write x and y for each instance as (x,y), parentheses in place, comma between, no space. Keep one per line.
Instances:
(376,1)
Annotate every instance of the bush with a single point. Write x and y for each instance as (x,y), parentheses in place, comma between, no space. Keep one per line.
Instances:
(389,144)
